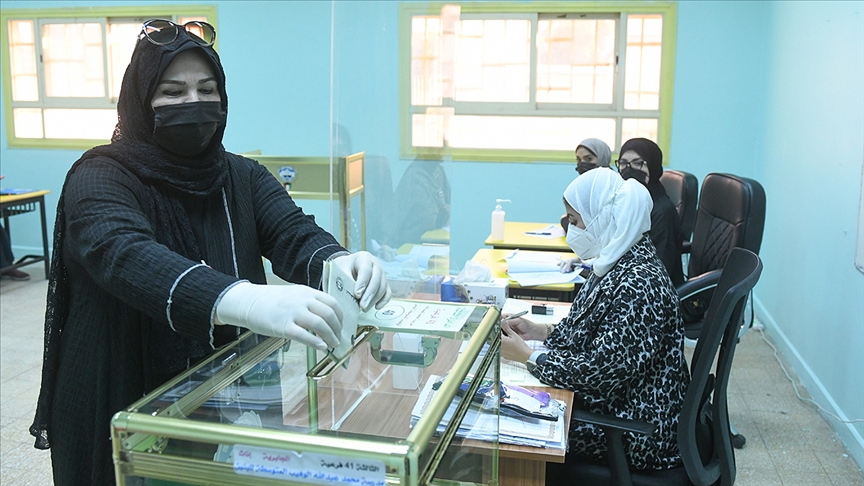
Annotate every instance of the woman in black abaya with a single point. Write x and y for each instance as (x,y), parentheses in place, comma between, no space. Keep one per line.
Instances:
(158,247)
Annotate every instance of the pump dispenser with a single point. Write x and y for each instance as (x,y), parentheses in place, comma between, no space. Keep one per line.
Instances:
(498,221)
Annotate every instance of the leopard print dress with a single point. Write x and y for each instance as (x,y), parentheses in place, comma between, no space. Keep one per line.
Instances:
(621,352)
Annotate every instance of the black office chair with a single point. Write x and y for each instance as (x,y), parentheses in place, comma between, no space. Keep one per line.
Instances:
(704,437)
(731,214)
(682,189)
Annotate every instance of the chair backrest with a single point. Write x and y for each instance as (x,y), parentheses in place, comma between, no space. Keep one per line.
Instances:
(704,437)
(682,188)
(731,214)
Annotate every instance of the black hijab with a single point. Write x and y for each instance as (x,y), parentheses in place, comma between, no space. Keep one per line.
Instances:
(653,157)
(168,178)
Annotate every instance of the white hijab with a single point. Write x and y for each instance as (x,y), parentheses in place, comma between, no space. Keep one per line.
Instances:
(616,212)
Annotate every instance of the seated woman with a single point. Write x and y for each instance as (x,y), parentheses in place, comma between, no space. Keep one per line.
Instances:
(590,154)
(642,159)
(620,350)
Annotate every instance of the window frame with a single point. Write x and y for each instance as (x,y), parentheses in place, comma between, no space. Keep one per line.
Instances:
(620,9)
(101,15)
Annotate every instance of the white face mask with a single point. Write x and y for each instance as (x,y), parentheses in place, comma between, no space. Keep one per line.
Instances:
(583,243)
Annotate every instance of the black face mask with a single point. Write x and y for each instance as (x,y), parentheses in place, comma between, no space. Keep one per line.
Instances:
(583,167)
(187,128)
(631,173)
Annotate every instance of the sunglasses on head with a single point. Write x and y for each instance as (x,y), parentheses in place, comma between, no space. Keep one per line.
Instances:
(161,32)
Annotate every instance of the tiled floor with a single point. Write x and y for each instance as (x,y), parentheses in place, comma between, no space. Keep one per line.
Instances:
(788,442)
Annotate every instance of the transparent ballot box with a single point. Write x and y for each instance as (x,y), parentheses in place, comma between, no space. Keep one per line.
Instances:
(415,402)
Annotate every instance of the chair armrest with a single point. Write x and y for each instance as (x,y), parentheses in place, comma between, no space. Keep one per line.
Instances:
(603,421)
(685,247)
(614,428)
(699,283)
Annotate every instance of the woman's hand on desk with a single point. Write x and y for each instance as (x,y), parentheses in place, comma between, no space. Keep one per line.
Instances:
(525,329)
(513,347)
(567,265)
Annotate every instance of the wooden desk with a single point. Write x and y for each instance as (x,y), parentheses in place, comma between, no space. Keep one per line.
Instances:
(494,259)
(515,238)
(16,204)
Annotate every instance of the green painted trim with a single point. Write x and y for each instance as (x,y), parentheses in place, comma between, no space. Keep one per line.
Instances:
(481,155)
(667,80)
(566,7)
(668,9)
(209,11)
(406,11)
(55,143)
(6,80)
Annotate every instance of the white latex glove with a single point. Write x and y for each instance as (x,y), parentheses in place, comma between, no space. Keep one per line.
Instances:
(372,288)
(285,311)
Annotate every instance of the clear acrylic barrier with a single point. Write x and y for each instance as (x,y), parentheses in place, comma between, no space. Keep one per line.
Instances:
(255,396)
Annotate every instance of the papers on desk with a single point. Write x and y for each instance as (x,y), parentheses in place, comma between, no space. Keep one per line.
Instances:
(538,268)
(549,232)
(513,371)
(479,423)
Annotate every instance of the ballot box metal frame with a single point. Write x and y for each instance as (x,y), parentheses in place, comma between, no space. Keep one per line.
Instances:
(143,433)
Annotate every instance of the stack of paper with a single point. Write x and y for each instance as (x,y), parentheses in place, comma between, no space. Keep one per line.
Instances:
(538,268)
(480,423)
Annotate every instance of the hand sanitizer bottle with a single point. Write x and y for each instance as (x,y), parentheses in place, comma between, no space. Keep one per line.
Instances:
(498,221)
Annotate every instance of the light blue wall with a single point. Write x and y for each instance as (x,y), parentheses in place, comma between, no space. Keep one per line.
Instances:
(768,90)
(720,82)
(811,293)
(277,61)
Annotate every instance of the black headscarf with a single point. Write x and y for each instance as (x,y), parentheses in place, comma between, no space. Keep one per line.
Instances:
(653,157)
(167,179)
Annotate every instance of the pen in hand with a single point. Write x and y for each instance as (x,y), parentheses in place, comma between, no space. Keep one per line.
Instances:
(514,316)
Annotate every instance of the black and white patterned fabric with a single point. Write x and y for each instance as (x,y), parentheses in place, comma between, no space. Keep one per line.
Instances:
(621,351)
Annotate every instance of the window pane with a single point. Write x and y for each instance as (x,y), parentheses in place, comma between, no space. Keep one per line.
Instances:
(73,60)
(80,124)
(28,122)
(575,60)
(492,60)
(642,72)
(425,61)
(526,133)
(121,42)
(427,130)
(22,52)
(639,128)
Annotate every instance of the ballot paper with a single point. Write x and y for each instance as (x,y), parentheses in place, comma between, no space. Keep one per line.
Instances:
(406,315)
(538,268)
(340,285)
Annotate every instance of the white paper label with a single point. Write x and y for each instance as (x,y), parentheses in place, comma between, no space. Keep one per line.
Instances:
(308,467)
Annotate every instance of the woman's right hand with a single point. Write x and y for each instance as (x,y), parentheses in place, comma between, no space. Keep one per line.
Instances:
(286,311)
(527,330)
(567,265)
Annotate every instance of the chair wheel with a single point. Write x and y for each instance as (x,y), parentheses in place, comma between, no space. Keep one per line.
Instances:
(738,441)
